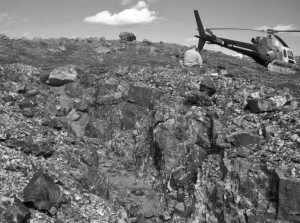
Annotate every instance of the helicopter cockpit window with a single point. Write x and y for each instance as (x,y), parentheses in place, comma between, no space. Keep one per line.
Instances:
(290,54)
(284,53)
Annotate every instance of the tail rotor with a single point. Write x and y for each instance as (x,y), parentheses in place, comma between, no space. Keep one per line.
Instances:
(201,31)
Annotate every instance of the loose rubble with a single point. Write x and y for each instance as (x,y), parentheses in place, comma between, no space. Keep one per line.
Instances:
(116,131)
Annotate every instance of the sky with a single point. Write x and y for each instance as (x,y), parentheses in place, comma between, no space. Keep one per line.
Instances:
(155,20)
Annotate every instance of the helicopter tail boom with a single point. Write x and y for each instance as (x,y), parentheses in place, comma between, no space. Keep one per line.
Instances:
(201,31)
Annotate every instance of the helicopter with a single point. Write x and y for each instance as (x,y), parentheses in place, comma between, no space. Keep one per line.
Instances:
(270,51)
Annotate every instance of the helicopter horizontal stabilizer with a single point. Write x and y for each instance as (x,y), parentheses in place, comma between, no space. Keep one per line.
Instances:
(201,31)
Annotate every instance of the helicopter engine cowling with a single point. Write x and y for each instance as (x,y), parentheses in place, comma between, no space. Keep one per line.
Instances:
(254,41)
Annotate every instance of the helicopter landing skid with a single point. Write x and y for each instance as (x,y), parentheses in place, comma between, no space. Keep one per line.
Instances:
(278,66)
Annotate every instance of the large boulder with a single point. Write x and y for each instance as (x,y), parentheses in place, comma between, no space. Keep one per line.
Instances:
(126,36)
(42,193)
(62,75)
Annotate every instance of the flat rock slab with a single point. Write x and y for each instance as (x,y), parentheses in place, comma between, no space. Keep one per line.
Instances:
(142,96)
(62,75)
(243,138)
(261,105)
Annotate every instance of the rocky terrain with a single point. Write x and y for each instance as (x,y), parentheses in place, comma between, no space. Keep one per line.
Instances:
(96,130)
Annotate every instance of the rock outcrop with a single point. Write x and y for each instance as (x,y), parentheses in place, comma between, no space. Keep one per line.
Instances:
(125,135)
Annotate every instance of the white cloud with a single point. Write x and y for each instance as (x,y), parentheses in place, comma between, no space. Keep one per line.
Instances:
(3,15)
(282,27)
(140,5)
(263,27)
(26,34)
(285,27)
(137,14)
(126,2)
(279,27)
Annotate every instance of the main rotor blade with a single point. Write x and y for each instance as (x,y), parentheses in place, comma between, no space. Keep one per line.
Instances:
(286,31)
(258,30)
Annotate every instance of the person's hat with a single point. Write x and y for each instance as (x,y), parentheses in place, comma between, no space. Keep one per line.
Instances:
(193,46)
